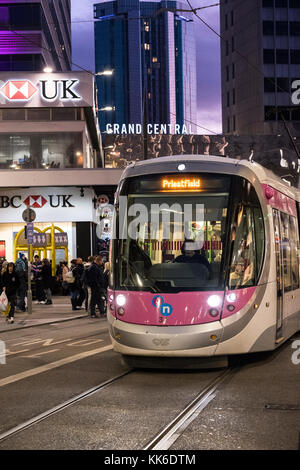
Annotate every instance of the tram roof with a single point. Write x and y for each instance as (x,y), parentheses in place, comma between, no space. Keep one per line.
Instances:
(251,170)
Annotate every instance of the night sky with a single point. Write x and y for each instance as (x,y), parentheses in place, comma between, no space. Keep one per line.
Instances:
(208,56)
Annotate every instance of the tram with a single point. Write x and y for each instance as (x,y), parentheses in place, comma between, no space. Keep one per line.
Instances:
(204,261)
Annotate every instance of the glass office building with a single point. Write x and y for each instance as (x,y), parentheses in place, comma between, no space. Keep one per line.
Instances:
(149,48)
(34,35)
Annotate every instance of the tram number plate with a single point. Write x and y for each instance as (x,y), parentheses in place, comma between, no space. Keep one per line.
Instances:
(163,342)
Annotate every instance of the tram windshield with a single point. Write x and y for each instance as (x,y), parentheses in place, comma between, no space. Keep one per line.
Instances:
(187,234)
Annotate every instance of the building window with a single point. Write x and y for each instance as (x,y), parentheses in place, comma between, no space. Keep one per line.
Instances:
(63,114)
(226,22)
(294,4)
(295,56)
(146,46)
(232,44)
(234,123)
(228,124)
(283,85)
(232,17)
(281,3)
(282,56)
(13,114)
(227,73)
(282,28)
(227,48)
(269,85)
(38,114)
(295,28)
(268,28)
(228,99)
(233,71)
(267,3)
(269,56)
(233,96)
(41,150)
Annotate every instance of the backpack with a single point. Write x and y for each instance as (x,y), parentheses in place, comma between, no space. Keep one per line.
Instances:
(70,279)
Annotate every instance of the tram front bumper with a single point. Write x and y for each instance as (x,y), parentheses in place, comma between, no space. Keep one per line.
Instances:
(150,340)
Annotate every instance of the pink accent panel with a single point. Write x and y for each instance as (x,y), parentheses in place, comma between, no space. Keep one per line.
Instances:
(187,308)
(279,200)
(239,298)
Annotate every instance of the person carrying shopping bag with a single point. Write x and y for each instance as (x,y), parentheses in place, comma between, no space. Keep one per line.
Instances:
(10,283)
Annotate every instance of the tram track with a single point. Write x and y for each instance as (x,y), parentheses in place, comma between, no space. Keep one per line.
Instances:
(58,408)
(170,433)
(161,441)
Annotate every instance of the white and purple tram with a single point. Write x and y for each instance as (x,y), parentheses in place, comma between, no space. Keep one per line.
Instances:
(204,261)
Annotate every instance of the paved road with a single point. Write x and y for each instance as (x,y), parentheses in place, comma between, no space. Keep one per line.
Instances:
(257,408)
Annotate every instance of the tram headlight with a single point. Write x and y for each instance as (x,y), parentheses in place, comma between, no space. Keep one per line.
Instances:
(121,300)
(231,297)
(214,312)
(214,301)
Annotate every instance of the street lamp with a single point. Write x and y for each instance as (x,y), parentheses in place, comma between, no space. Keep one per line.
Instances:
(105,72)
(107,108)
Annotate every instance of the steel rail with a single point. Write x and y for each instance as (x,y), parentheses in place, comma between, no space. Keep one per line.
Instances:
(56,409)
(165,438)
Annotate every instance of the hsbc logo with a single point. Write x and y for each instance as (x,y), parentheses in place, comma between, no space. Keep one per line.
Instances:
(19,90)
(35,201)
(49,90)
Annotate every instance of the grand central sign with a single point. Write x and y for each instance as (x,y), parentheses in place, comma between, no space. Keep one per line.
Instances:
(22,89)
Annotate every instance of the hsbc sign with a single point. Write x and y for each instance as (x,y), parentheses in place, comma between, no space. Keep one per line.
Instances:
(50,204)
(39,90)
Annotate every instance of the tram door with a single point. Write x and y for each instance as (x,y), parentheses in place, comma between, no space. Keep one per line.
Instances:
(279,272)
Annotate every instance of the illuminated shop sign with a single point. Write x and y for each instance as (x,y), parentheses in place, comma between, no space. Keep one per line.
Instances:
(183,184)
(38,90)
(49,204)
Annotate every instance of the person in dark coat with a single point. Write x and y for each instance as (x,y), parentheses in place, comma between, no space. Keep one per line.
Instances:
(37,269)
(46,275)
(10,283)
(95,280)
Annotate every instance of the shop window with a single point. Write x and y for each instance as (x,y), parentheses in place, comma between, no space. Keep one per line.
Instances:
(13,114)
(56,150)
(63,114)
(38,114)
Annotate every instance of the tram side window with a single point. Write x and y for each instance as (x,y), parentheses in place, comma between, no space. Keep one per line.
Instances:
(243,258)
(294,241)
(286,251)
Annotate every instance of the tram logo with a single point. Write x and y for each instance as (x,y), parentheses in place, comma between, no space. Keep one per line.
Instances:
(18,90)
(159,303)
(35,201)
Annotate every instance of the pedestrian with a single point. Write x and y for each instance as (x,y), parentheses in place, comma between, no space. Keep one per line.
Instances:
(10,284)
(37,270)
(64,284)
(4,266)
(73,284)
(46,274)
(78,273)
(85,285)
(95,280)
(21,268)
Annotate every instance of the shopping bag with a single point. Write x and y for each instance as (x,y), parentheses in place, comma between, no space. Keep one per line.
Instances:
(3,302)
(6,312)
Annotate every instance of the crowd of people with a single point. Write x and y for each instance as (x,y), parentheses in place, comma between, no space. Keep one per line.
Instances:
(85,282)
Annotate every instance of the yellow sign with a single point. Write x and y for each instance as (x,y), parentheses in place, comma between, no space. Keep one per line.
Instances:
(183,184)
